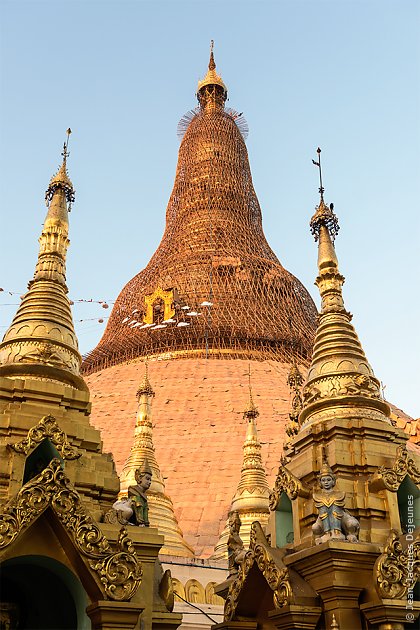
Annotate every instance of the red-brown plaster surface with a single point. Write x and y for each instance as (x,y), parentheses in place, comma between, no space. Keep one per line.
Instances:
(198,430)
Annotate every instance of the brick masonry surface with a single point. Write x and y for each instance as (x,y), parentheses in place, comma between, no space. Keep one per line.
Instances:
(198,429)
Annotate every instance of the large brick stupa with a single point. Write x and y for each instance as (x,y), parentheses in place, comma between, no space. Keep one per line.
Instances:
(213,304)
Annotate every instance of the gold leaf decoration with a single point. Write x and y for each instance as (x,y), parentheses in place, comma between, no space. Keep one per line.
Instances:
(289,484)
(275,573)
(397,570)
(118,572)
(404,465)
(47,427)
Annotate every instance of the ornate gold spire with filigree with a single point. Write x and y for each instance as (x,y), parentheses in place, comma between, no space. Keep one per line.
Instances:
(252,495)
(161,511)
(212,78)
(41,341)
(253,490)
(339,373)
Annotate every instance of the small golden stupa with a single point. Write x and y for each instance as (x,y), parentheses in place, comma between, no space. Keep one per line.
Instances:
(161,509)
(251,498)
(347,489)
(61,566)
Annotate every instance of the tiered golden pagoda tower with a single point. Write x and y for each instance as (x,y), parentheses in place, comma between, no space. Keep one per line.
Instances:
(356,565)
(61,567)
(160,505)
(251,498)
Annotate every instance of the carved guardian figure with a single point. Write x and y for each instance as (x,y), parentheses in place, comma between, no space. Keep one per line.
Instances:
(333,521)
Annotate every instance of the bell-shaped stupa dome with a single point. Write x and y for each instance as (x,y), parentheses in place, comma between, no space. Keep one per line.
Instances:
(214,297)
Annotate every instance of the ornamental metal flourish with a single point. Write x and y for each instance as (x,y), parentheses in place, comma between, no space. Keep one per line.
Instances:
(275,573)
(397,570)
(117,571)
(404,465)
(287,483)
(47,427)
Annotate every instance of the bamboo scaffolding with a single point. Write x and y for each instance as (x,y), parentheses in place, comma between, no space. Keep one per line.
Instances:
(213,251)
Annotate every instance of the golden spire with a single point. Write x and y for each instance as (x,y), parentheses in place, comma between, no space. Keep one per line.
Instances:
(212,78)
(41,341)
(334,624)
(145,387)
(253,490)
(251,498)
(61,180)
(340,374)
(251,411)
(161,511)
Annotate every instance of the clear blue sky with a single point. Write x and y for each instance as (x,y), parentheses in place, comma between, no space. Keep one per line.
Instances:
(341,75)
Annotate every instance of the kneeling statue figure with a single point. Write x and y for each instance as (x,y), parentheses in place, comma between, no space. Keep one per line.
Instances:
(333,521)
(134,509)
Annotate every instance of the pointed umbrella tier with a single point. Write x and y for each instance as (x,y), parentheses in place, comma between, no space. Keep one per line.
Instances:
(161,511)
(340,374)
(211,90)
(213,269)
(41,341)
(252,495)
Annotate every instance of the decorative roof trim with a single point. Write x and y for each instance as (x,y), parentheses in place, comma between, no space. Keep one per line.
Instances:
(287,483)
(117,572)
(274,571)
(397,570)
(391,478)
(47,427)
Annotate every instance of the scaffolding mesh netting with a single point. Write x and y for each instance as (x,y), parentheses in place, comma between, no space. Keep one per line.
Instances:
(226,291)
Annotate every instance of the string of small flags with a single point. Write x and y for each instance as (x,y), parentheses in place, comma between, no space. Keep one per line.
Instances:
(105,304)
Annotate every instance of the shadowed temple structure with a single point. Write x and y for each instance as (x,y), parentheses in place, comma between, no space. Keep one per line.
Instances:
(224,452)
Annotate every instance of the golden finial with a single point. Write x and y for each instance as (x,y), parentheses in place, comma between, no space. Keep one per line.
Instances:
(65,153)
(334,624)
(61,180)
(212,65)
(251,411)
(145,386)
(212,78)
(324,215)
(318,164)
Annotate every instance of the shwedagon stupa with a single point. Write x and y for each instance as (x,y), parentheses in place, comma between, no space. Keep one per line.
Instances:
(213,305)
(218,326)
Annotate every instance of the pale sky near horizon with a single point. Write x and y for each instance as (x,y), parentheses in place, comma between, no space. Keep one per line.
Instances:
(340,75)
